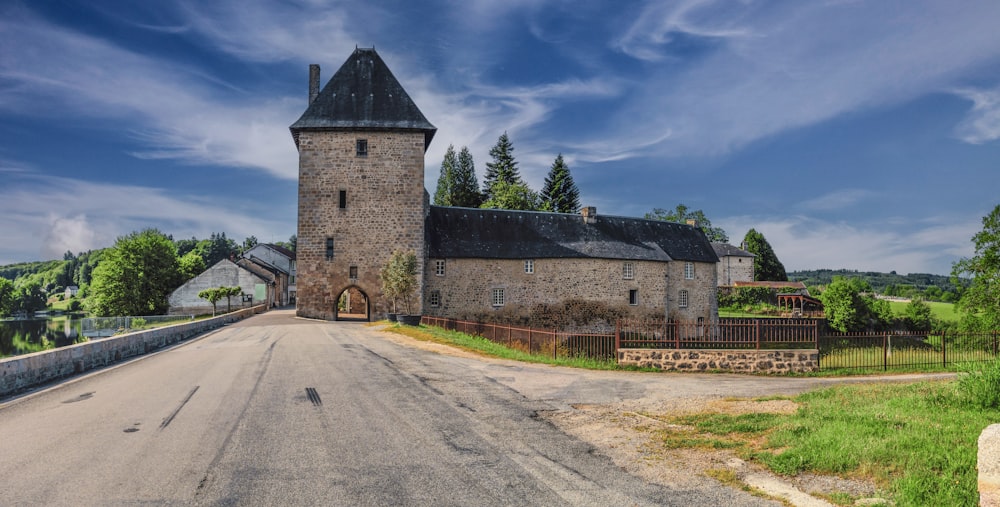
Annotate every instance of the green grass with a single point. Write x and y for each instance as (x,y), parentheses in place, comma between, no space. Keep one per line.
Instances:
(488,348)
(917,442)
(944,312)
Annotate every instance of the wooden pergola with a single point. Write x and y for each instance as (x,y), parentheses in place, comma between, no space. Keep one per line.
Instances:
(799,304)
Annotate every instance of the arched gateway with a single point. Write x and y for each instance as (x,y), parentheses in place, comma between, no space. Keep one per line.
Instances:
(353,305)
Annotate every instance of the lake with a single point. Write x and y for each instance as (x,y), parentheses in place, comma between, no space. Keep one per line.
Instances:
(26,336)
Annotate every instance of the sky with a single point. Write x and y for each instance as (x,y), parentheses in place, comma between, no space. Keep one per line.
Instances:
(852,134)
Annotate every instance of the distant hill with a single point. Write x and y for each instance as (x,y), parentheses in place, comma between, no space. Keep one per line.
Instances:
(881,282)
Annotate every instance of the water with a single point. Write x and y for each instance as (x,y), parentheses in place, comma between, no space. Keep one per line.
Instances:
(26,336)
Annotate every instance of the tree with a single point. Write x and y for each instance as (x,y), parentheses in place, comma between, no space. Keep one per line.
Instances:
(514,196)
(503,169)
(464,185)
(918,315)
(249,243)
(681,215)
(982,297)
(190,265)
(399,278)
(216,248)
(229,293)
(766,265)
(212,295)
(559,194)
(446,181)
(7,299)
(30,298)
(135,276)
(850,307)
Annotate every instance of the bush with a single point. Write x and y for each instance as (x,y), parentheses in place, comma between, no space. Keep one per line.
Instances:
(981,388)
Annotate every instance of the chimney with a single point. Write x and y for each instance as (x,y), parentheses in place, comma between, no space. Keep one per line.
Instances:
(313,82)
(589,214)
(692,222)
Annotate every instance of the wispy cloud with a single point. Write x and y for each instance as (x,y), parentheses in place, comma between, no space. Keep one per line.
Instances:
(46,216)
(838,199)
(659,23)
(982,124)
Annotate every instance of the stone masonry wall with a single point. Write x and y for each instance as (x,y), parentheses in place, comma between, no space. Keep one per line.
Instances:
(737,361)
(467,285)
(385,211)
(735,269)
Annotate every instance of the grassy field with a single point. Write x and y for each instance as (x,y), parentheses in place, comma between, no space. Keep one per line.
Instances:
(942,311)
(916,442)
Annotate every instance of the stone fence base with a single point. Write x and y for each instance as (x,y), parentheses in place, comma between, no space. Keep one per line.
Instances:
(736,361)
(21,372)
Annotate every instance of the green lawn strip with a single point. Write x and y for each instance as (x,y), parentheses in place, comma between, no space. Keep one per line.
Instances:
(917,441)
(486,347)
(942,311)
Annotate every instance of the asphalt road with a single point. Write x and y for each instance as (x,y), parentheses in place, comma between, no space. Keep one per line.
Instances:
(282,411)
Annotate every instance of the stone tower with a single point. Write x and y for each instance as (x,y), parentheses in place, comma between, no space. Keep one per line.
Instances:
(361,144)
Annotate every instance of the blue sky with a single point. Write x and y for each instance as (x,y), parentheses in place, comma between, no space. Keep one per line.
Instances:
(853,134)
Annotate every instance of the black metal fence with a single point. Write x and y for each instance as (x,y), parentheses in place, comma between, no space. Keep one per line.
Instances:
(886,351)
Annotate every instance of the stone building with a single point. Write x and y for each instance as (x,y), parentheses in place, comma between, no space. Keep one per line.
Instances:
(361,144)
(735,264)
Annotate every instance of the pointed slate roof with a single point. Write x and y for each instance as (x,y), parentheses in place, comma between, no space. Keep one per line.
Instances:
(362,95)
(457,233)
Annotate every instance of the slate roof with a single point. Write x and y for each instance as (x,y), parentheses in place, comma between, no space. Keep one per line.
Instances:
(771,284)
(724,249)
(501,234)
(363,94)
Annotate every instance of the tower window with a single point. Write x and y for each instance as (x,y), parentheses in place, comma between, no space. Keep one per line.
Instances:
(329,248)
(362,146)
(439,267)
(343,199)
(633,297)
(353,272)
(529,266)
(628,271)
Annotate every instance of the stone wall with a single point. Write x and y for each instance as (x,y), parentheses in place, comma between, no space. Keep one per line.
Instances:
(385,210)
(466,287)
(736,361)
(22,372)
(733,268)
(989,466)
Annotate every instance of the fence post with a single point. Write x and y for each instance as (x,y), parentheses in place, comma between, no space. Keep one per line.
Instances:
(618,337)
(944,349)
(529,339)
(885,351)
(554,341)
(756,332)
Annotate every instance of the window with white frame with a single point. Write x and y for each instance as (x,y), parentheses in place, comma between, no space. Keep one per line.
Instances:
(689,271)
(682,299)
(439,267)
(633,297)
(529,266)
(435,298)
(498,297)
(628,271)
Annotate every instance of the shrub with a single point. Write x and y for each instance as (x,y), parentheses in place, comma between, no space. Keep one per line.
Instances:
(981,388)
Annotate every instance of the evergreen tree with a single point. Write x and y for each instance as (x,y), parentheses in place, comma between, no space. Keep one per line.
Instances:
(766,265)
(502,169)
(560,193)
(446,181)
(464,185)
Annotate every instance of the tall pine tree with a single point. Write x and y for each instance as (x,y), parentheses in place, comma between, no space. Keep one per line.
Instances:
(446,181)
(503,168)
(559,194)
(464,185)
(766,266)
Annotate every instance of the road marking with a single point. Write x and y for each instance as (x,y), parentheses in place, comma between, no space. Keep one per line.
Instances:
(166,422)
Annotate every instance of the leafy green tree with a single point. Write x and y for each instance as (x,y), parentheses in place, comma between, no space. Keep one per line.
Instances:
(465,186)
(248,244)
(559,194)
(682,214)
(982,298)
(917,315)
(766,265)
(213,296)
(191,265)
(850,306)
(136,276)
(503,168)
(290,244)
(446,181)
(7,297)
(216,248)
(30,297)
(399,278)
(186,245)
(513,196)
(230,293)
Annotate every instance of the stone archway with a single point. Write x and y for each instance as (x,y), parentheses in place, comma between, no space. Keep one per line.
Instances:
(353,304)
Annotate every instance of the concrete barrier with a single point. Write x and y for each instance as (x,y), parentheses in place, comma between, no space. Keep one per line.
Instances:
(22,372)
(989,466)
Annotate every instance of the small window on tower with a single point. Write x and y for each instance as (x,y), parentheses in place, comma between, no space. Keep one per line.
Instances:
(353,272)
(362,147)
(329,248)
(343,199)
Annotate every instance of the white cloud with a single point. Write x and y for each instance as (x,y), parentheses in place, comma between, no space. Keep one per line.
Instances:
(982,124)
(838,199)
(914,246)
